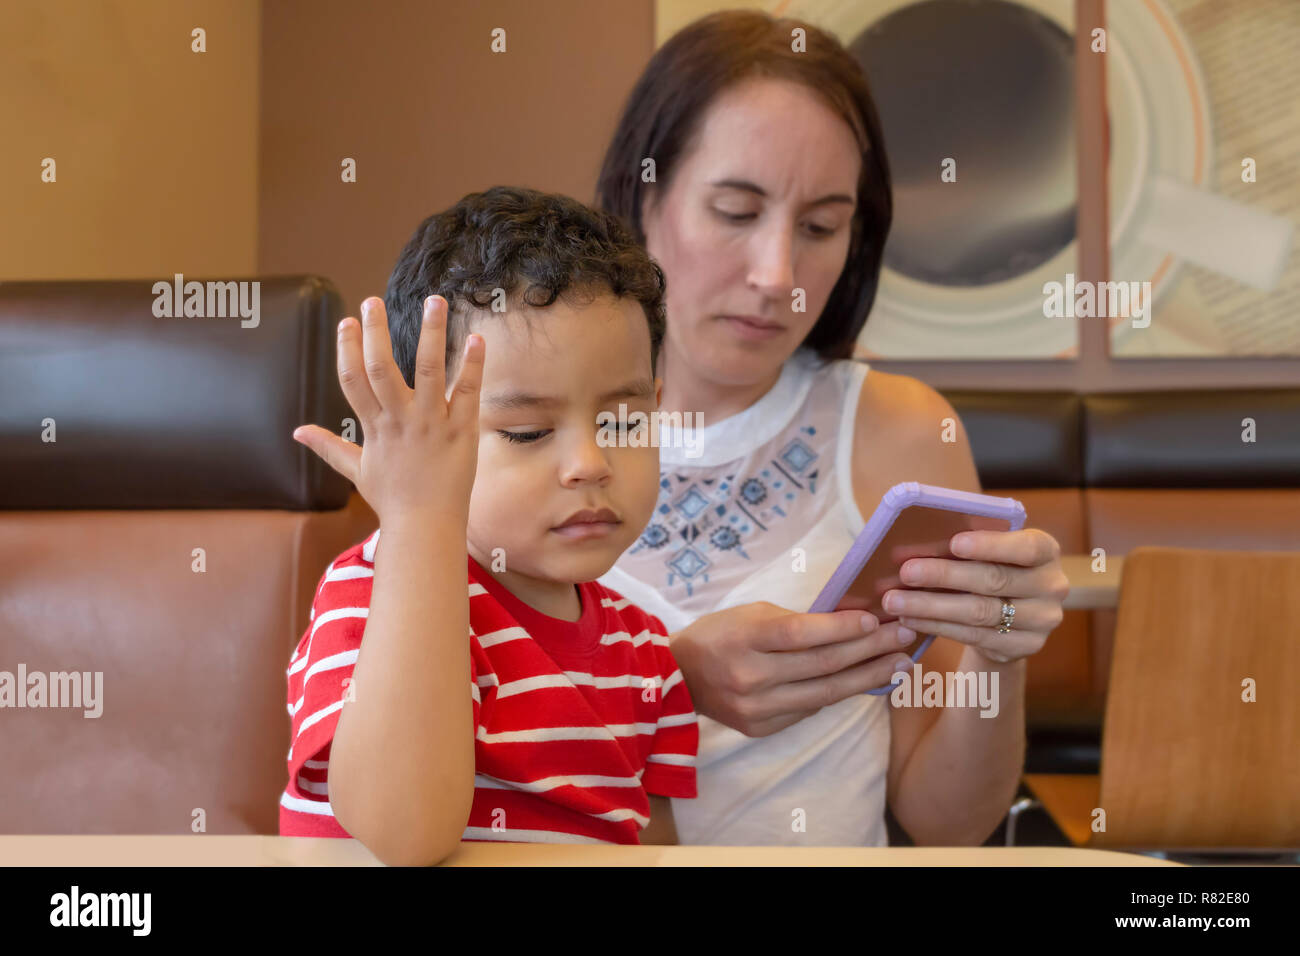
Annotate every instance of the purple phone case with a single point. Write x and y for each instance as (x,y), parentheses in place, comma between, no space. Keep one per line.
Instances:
(905,495)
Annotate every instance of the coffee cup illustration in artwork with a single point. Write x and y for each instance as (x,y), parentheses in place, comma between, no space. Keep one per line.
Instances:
(976,100)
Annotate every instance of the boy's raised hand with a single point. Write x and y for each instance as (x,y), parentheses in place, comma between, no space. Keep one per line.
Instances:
(421,444)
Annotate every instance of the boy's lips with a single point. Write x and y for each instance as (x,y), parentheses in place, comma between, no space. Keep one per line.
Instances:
(588,524)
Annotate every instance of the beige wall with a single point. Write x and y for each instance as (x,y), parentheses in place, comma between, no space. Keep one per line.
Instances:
(413,92)
(228,162)
(155,146)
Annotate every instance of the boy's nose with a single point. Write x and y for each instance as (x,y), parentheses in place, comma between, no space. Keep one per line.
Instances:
(585,461)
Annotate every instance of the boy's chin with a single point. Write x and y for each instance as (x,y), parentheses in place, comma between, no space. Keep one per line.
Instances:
(586,563)
(562,562)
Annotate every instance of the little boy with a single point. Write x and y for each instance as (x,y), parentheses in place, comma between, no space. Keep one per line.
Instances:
(577,725)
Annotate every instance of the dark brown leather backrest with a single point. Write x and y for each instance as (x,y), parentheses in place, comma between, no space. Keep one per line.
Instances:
(152,411)
(169,540)
(1120,470)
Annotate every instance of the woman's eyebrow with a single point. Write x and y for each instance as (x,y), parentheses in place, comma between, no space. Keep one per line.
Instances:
(746,186)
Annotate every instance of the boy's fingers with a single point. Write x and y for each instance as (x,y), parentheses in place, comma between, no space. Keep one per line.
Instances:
(381,370)
(469,379)
(343,456)
(430,354)
(352,372)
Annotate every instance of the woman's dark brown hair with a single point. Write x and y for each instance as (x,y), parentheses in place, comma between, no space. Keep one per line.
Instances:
(685,75)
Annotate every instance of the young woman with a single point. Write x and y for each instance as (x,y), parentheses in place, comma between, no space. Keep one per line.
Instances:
(754,171)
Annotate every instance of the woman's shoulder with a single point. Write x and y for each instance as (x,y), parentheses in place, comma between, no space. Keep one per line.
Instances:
(891,400)
(881,391)
(901,418)
(893,410)
(906,430)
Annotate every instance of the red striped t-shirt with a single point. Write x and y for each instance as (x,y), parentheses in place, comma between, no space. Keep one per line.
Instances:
(575,722)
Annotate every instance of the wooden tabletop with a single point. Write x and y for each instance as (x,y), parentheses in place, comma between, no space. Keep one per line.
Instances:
(1090,588)
(204,850)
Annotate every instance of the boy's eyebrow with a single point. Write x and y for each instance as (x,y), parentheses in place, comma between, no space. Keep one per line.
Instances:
(641,388)
(504,401)
(746,186)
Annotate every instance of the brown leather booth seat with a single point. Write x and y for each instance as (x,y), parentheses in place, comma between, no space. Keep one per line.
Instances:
(160,528)
(1118,470)
(170,538)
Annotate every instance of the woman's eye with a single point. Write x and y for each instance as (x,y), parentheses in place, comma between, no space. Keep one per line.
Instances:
(816,230)
(736,216)
(522,438)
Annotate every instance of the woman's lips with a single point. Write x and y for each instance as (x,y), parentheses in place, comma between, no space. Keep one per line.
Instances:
(754,329)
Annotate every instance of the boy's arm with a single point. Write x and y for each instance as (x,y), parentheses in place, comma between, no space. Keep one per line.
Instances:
(401,767)
(401,774)
(662,830)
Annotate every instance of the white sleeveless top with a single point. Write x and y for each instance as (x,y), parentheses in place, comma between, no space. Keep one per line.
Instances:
(772,478)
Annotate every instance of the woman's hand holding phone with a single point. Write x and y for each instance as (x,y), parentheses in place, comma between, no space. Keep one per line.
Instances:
(1022,566)
(759,668)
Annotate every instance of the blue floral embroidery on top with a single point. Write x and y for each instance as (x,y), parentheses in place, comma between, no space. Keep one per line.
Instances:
(655,536)
(688,563)
(724,538)
(709,517)
(692,503)
(797,455)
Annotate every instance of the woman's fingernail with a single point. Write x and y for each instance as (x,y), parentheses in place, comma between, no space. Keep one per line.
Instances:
(961,545)
(906,635)
(903,664)
(868,623)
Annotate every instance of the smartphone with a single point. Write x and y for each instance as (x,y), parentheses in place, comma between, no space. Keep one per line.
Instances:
(912,521)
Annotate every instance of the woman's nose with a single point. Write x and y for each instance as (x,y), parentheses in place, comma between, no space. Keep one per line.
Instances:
(772,268)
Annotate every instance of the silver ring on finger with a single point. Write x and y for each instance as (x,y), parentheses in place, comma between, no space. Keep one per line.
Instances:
(1008,615)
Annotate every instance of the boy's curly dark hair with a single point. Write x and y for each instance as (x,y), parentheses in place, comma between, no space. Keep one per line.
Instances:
(535,246)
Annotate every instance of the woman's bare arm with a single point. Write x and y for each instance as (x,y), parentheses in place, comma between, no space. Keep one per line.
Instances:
(952,772)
